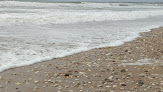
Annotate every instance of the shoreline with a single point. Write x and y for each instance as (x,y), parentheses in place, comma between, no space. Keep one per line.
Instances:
(101,69)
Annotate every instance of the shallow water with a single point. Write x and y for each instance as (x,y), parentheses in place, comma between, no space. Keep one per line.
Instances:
(32,32)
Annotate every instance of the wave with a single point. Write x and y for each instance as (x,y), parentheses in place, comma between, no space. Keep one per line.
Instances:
(64,17)
(20,13)
(48,1)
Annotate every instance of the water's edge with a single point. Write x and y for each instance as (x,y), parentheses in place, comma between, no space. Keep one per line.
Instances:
(75,51)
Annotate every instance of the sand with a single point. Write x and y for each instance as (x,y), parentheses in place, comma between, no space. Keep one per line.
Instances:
(135,66)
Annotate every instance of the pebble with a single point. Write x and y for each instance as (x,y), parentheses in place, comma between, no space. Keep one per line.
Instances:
(108,80)
(123,70)
(114,86)
(122,88)
(123,84)
(111,77)
(36,81)
(142,75)
(1,86)
(17,83)
(108,86)
(99,86)
(68,74)
(140,83)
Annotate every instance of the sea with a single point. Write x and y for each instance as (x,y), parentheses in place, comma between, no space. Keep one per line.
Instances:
(32,32)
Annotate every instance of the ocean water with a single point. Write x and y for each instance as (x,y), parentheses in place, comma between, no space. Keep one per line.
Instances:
(32,32)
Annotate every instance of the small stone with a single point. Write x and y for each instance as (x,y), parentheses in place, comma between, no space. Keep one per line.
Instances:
(115,73)
(108,86)
(126,50)
(113,61)
(114,86)
(110,79)
(1,86)
(36,82)
(123,70)
(68,74)
(123,84)
(55,75)
(122,88)
(18,83)
(55,85)
(36,72)
(140,82)
(100,86)
(142,75)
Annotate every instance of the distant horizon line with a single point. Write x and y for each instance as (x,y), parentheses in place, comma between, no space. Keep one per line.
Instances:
(82,1)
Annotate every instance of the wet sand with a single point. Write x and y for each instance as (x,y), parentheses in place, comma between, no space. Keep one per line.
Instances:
(135,66)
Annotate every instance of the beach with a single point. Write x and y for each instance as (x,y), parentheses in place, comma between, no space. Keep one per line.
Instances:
(135,66)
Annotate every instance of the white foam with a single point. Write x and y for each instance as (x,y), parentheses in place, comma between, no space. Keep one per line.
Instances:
(48,13)
(64,17)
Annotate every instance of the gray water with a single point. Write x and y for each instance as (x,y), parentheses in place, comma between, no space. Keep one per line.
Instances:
(101,1)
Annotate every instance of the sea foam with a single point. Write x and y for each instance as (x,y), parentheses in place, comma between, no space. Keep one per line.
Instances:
(50,13)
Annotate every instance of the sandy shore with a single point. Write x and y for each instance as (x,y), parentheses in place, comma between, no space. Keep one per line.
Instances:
(135,66)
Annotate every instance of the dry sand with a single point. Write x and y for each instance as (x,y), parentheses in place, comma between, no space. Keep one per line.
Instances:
(135,66)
